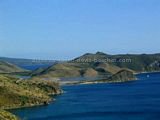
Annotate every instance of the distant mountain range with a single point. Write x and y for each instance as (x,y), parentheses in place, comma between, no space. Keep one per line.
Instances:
(87,65)
(15,92)
(91,65)
(136,62)
(21,61)
(6,67)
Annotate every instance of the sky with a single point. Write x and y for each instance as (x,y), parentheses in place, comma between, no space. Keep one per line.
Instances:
(64,29)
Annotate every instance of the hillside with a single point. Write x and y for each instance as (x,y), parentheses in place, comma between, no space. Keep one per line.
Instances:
(71,69)
(4,115)
(124,75)
(16,93)
(101,64)
(136,62)
(6,67)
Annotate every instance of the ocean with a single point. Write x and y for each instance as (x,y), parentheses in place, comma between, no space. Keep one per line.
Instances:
(135,100)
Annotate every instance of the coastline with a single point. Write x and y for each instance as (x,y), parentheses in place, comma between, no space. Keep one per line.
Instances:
(71,84)
(95,82)
(7,110)
(145,72)
(34,105)
(102,81)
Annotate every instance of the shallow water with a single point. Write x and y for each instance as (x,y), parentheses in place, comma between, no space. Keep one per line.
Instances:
(136,100)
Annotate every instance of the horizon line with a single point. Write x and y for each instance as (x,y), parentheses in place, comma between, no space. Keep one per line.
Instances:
(10,57)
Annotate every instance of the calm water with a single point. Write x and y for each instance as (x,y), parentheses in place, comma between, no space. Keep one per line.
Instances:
(138,100)
(34,67)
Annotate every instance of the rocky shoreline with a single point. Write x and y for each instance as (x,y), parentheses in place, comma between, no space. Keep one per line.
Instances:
(46,89)
(6,115)
(123,75)
(16,93)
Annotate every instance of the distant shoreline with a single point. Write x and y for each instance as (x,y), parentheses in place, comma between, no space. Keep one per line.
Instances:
(146,72)
(100,80)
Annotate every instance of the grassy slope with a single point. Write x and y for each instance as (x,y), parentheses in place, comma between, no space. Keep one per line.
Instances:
(87,65)
(70,69)
(4,115)
(139,62)
(81,67)
(123,75)
(61,70)
(19,93)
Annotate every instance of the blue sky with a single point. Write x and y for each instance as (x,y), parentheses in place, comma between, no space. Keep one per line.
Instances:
(64,29)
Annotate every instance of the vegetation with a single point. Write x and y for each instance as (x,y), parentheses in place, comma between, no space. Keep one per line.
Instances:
(4,115)
(21,93)
(70,69)
(136,62)
(123,75)
(16,93)
(88,65)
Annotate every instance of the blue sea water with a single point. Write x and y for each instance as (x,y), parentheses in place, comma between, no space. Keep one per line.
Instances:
(136,100)
(34,67)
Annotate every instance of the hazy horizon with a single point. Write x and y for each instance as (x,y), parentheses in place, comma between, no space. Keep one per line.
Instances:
(66,29)
(65,59)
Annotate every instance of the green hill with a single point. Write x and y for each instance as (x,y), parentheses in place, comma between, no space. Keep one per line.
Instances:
(16,93)
(71,69)
(101,64)
(136,62)
(84,66)
(124,75)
